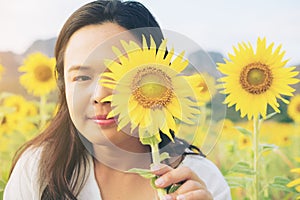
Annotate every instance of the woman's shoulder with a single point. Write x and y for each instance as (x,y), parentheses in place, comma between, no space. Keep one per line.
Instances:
(29,160)
(23,181)
(199,163)
(210,174)
(31,154)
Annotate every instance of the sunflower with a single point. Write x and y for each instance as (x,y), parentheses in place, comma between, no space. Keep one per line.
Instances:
(19,111)
(39,78)
(244,142)
(1,71)
(255,80)
(295,183)
(7,125)
(228,131)
(150,93)
(21,108)
(207,85)
(293,109)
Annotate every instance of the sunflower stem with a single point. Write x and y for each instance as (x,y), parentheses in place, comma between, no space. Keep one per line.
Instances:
(156,161)
(256,156)
(43,115)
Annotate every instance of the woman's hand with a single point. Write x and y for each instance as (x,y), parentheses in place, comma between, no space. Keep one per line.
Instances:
(193,188)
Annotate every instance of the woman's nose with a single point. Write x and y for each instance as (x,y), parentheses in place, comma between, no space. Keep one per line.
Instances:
(99,94)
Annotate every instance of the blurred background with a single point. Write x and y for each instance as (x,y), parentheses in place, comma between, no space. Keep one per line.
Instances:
(33,25)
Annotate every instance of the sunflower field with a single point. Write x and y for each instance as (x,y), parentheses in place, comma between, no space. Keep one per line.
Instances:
(256,144)
(20,118)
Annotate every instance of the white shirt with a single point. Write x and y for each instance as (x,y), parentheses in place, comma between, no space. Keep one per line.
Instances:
(23,183)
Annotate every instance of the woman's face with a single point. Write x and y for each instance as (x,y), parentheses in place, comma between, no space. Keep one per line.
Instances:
(83,63)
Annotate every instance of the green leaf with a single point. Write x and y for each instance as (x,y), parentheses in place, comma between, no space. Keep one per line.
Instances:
(267,147)
(146,173)
(238,182)
(281,180)
(243,131)
(242,168)
(164,156)
(270,116)
(282,187)
(152,182)
(280,184)
(173,188)
(2,185)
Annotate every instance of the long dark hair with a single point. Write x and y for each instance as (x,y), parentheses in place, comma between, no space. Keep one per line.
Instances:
(64,156)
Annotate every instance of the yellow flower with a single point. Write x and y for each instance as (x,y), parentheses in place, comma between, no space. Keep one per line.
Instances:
(228,131)
(39,76)
(280,134)
(295,183)
(20,113)
(283,138)
(293,109)
(149,91)
(7,125)
(19,106)
(244,142)
(207,86)
(255,80)
(1,71)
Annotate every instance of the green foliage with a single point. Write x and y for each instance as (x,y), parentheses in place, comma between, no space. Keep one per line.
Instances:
(242,168)
(13,137)
(244,131)
(280,183)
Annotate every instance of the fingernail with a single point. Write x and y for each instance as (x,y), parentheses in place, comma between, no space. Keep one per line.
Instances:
(167,197)
(159,182)
(180,197)
(155,167)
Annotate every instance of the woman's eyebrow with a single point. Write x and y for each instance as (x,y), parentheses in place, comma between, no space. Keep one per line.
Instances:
(78,67)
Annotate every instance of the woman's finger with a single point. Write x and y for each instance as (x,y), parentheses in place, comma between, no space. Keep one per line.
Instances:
(192,195)
(189,186)
(177,175)
(161,169)
(191,190)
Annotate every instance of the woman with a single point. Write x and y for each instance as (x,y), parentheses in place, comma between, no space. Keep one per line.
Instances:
(58,164)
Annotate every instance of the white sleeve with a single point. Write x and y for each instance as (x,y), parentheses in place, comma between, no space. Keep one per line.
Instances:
(23,182)
(210,174)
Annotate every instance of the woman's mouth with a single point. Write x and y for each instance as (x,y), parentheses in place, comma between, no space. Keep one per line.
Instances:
(102,121)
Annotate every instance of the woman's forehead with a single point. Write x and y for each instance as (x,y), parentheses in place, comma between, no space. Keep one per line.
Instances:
(94,43)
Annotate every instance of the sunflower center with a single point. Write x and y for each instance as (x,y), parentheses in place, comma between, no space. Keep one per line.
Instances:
(17,107)
(152,88)
(4,120)
(42,73)
(204,87)
(298,108)
(245,141)
(256,78)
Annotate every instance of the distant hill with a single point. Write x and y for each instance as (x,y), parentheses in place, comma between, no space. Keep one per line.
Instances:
(44,46)
(11,62)
(203,61)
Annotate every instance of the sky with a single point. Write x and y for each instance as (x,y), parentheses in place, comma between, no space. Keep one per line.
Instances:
(215,25)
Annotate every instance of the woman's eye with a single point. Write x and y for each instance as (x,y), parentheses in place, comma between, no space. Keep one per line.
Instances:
(81,78)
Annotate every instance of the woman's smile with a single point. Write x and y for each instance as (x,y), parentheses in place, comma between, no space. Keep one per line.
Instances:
(103,121)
